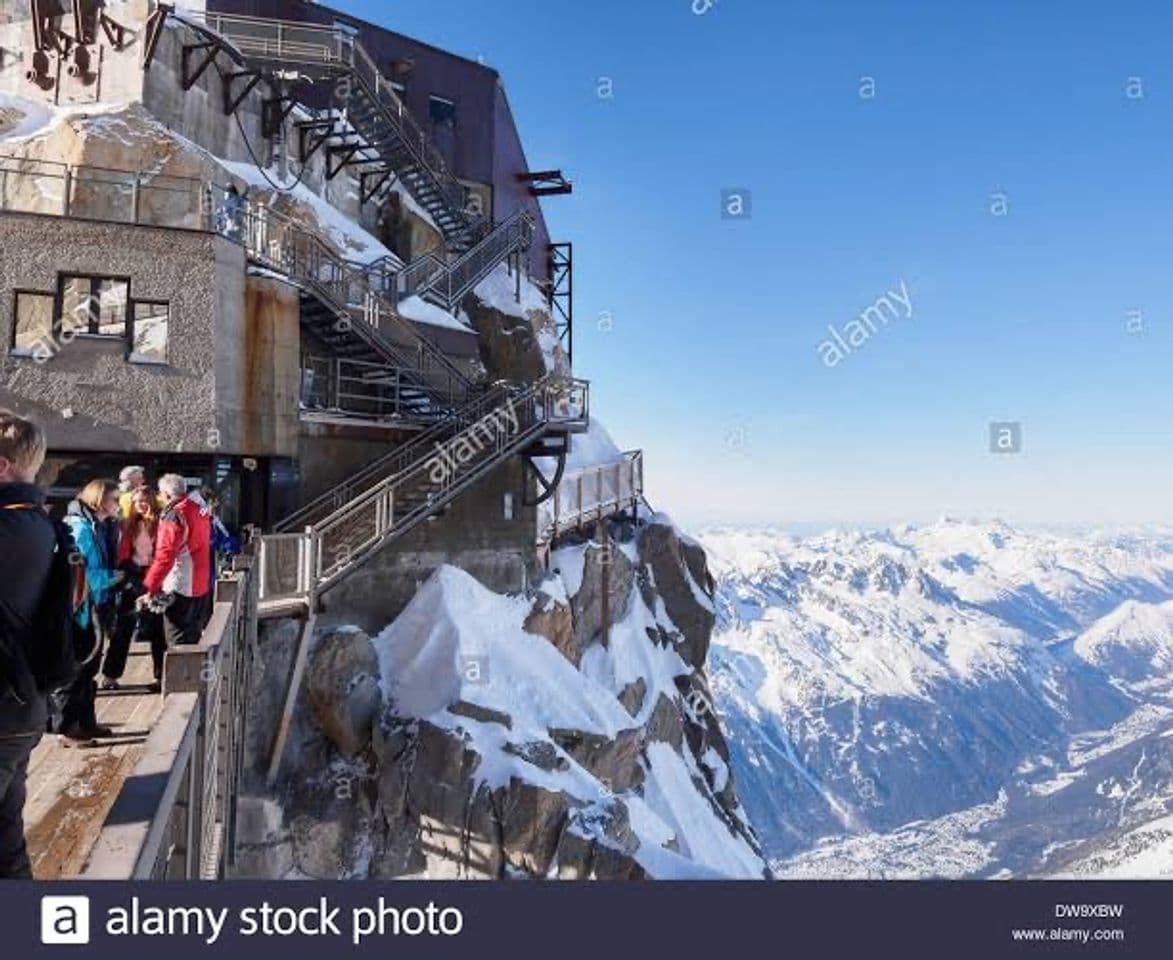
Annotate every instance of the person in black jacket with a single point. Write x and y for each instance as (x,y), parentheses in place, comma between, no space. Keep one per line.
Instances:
(28,544)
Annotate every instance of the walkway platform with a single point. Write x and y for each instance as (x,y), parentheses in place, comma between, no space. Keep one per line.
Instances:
(71,789)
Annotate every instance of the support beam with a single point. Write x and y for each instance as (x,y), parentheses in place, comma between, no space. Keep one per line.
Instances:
(40,34)
(116,34)
(233,101)
(561,295)
(546,183)
(297,674)
(274,112)
(546,487)
(79,26)
(155,25)
(208,53)
(344,150)
(378,177)
(312,135)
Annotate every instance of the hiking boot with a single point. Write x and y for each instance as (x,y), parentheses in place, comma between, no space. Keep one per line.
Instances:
(75,736)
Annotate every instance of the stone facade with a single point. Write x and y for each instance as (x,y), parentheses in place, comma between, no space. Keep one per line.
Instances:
(229,384)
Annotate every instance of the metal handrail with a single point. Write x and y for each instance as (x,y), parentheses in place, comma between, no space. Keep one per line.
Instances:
(393,505)
(194,759)
(449,283)
(593,493)
(393,463)
(460,277)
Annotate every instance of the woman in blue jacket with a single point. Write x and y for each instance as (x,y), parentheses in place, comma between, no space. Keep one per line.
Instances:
(97,503)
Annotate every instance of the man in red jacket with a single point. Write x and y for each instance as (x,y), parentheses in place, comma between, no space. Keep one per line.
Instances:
(183,562)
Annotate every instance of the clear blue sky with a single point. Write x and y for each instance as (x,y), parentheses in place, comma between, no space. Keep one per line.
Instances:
(711,362)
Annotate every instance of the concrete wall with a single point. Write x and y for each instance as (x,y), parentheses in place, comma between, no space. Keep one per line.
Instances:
(472,534)
(198,113)
(88,395)
(258,364)
(231,382)
(329,453)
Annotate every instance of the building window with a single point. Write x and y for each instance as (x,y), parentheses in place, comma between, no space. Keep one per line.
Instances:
(45,323)
(33,326)
(94,306)
(441,110)
(149,332)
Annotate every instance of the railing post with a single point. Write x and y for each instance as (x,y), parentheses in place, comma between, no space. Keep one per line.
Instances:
(306,561)
(195,809)
(135,198)
(262,569)
(66,198)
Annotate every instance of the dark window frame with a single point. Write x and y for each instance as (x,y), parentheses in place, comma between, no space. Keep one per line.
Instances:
(448,102)
(94,321)
(57,299)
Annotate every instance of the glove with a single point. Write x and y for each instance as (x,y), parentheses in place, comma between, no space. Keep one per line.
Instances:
(157,603)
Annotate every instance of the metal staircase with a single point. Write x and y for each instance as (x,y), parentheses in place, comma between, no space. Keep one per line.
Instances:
(349,308)
(447,284)
(378,133)
(392,496)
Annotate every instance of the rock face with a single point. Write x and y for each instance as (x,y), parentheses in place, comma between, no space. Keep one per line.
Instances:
(342,689)
(564,758)
(675,570)
(518,343)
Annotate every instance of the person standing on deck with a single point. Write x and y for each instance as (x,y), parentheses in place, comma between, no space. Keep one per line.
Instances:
(36,610)
(88,517)
(136,551)
(183,562)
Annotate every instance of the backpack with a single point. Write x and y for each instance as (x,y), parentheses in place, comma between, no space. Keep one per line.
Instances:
(48,664)
(54,665)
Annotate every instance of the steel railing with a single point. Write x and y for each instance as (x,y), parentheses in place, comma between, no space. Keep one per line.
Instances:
(591,494)
(298,566)
(189,776)
(449,283)
(354,388)
(395,462)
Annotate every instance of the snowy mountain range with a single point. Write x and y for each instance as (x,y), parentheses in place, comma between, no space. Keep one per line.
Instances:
(963,699)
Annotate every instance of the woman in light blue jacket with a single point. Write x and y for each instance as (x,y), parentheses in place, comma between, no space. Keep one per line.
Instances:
(95,505)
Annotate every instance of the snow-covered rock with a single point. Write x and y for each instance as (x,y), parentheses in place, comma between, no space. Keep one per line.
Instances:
(525,736)
(519,339)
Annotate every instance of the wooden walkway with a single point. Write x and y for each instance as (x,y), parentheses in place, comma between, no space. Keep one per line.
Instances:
(71,789)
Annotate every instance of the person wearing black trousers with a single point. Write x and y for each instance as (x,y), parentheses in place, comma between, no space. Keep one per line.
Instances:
(97,502)
(136,550)
(36,606)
